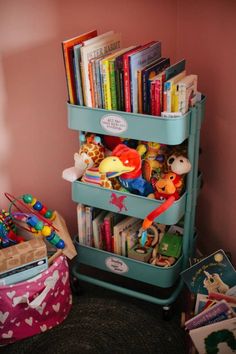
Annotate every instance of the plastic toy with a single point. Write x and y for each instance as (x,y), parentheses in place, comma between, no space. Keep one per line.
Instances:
(8,234)
(27,207)
(126,163)
(38,206)
(153,159)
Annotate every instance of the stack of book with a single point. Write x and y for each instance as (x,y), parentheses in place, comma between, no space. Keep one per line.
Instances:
(100,73)
(212,281)
(105,230)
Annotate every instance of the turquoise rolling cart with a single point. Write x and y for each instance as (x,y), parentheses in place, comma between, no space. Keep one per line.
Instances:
(171,131)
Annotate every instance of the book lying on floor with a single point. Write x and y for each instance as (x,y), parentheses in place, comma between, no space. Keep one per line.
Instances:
(217,338)
(216,313)
(213,274)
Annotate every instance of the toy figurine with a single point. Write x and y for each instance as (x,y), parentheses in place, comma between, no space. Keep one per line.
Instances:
(126,163)
(153,159)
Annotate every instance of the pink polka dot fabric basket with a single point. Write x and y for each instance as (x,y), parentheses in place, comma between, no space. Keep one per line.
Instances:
(35,305)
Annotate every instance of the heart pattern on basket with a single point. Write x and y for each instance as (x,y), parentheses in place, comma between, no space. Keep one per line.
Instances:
(29,308)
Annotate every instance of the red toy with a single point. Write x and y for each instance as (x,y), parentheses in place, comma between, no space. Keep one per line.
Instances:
(126,163)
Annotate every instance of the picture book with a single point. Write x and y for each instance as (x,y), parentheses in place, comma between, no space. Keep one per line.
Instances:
(96,224)
(218,312)
(185,93)
(119,75)
(175,69)
(89,212)
(204,301)
(68,54)
(117,230)
(138,60)
(147,74)
(107,69)
(169,87)
(214,273)
(156,94)
(98,83)
(218,337)
(108,228)
(126,77)
(129,237)
(81,223)
(112,76)
(102,46)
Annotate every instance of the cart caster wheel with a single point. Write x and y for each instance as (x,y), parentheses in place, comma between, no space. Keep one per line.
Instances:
(167,312)
(75,287)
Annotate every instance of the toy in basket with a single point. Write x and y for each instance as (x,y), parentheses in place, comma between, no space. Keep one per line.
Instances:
(35,305)
(40,302)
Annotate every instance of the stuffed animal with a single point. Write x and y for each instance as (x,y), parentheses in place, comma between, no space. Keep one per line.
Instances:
(153,158)
(89,155)
(126,163)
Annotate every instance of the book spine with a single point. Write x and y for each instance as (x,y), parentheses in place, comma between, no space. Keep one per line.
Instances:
(107,86)
(90,73)
(81,223)
(88,225)
(146,105)
(102,78)
(208,315)
(127,91)
(118,68)
(98,83)
(94,84)
(124,243)
(140,92)
(107,229)
(112,85)
(78,82)
(72,87)
(157,98)
(152,99)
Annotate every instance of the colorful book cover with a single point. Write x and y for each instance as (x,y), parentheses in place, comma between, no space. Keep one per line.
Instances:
(214,273)
(68,53)
(142,58)
(106,45)
(147,74)
(217,338)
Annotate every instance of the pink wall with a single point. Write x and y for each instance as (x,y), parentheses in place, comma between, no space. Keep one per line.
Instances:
(206,36)
(35,143)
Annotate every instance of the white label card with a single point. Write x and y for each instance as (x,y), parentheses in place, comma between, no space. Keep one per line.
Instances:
(114,123)
(116,265)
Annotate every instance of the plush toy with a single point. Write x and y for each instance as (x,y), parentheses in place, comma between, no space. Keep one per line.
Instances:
(89,155)
(153,158)
(169,187)
(126,163)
